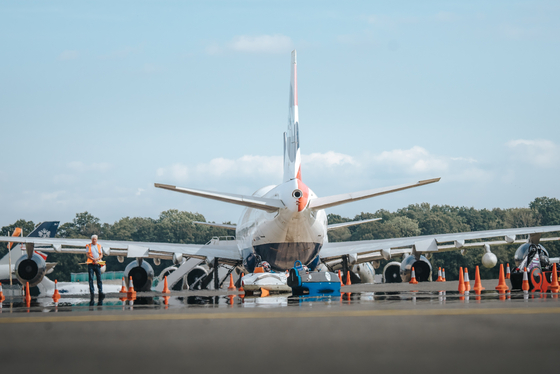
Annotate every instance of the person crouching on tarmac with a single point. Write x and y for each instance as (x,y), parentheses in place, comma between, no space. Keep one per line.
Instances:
(94,255)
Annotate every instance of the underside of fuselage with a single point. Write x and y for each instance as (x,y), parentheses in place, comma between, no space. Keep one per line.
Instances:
(281,256)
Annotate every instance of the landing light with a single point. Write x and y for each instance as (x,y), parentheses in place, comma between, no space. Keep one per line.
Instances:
(297,194)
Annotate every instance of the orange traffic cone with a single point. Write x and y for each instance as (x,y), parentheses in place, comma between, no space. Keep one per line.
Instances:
(2,298)
(508,273)
(439,277)
(264,292)
(467,281)
(413,276)
(502,286)
(241,284)
(461,281)
(165,288)
(525,285)
(348,281)
(477,283)
(27,295)
(554,287)
(56,294)
(131,293)
(443,274)
(340,277)
(123,288)
(231,285)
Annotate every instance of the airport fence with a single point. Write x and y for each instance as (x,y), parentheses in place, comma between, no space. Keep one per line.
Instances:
(108,275)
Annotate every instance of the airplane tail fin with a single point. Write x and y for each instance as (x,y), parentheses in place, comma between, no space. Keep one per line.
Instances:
(292,156)
(43,230)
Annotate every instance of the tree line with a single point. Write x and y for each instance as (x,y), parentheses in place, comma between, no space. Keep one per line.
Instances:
(174,226)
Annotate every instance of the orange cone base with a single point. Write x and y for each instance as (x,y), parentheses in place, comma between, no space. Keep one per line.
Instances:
(413,281)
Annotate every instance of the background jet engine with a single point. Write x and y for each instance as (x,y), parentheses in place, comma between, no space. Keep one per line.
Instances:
(30,270)
(422,268)
(195,279)
(365,271)
(396,272)
(392,272)
(142,275)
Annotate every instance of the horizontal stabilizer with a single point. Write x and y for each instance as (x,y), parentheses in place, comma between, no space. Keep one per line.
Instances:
(221,225)
(330,201)
(351,223)
(269,205)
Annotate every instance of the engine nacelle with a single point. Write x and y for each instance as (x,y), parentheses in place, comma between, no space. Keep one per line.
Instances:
(365,271)
(392,272)
(142,275)
(30,270)
(195,277)
(422,269)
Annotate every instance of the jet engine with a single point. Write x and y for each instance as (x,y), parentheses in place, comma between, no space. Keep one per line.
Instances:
(30,269)
(392,272)
(195,278)
(395,272)
(422,268)
(142,274)
(365,271)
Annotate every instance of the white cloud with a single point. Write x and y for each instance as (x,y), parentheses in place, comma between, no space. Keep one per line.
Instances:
(81,167)
(328,159)
(326,166)
(412,161)
(541,153)
(250,167)
(276,43)
(68,55)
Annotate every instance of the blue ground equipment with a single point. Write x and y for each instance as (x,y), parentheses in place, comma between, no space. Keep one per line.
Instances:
(304,282)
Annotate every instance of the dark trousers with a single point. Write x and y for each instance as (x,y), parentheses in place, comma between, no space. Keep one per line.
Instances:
(97,270)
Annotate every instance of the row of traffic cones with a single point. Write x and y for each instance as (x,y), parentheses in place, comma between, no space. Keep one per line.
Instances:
(441,275)
(348,281)
(465,283)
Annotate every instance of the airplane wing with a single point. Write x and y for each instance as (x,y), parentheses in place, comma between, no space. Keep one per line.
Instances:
(225,250)
(330,201)
(370,250)
(220,225)
(350,223)
(268,205)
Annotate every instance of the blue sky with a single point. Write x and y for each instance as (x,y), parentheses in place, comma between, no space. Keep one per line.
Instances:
(99,100)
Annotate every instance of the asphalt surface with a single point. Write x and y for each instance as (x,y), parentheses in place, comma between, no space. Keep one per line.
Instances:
(412,330)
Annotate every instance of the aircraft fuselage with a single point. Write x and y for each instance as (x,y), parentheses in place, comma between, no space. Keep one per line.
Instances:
(280,238)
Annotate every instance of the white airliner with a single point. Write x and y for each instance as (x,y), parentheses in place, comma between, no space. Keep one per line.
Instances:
(287,222)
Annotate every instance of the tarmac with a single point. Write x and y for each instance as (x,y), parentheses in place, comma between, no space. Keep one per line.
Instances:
(427,327)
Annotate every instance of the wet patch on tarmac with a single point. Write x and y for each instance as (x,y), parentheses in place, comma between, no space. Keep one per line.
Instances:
(372,296)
